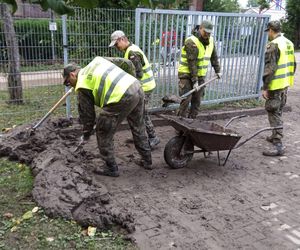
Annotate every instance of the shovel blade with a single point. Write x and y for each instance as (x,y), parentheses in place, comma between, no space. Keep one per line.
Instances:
(170,99)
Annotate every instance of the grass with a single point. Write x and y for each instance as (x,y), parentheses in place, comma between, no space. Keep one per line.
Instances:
(37,102)
(21,227)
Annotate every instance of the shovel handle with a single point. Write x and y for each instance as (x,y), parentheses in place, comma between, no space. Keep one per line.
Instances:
(198,88)
(53,108)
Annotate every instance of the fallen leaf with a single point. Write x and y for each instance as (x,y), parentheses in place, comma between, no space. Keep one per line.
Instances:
(8,215)
(35,209)
(13,229)
(50,239)
(91,231)
(27,215)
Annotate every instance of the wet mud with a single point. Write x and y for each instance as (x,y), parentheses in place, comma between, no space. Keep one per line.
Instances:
(64,184)
(201,206)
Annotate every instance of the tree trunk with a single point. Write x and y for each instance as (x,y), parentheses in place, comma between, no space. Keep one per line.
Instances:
(14,74)
(196,5)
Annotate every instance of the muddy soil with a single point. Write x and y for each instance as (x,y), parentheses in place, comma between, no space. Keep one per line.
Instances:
(201,206)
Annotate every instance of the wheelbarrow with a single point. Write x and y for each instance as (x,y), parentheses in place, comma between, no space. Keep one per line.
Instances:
(207,136)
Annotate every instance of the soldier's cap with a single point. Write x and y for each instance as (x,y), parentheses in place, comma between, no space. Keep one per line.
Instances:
(115,36)
(207,25)
(71,67)
(274,25)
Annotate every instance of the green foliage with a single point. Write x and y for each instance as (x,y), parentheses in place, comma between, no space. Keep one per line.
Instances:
(62,7)
(291,25)
(252,3)
(221,5)
(263,4)
(21,228)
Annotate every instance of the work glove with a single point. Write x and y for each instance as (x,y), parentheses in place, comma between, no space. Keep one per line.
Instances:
(195,85)
(219,75)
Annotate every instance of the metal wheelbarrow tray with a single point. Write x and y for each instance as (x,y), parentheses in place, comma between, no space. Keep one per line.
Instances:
(207,136)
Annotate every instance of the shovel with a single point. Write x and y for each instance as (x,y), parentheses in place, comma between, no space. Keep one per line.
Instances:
(170,99)
(51,110)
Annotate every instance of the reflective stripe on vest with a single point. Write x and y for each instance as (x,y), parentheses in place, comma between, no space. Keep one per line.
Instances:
(203,57)
(107,81)
(284,75)
(147,81)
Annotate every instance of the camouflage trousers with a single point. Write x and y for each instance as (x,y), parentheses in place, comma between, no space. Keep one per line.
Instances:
(274,106)
(186,85)
(130,107)
(147,118)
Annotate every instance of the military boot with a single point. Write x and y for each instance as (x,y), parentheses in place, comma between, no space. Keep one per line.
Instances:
(108,170)
(277,150)
(270,139)
(145,163)
(153,141)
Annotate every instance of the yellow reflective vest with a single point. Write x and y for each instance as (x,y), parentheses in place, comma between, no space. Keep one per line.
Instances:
(204,56)
(284,75)
(147,81)
(107,81)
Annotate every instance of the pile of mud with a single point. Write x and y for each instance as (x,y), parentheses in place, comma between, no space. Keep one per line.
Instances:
(64,183)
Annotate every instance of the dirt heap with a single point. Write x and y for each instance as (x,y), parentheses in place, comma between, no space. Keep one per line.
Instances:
(64,182)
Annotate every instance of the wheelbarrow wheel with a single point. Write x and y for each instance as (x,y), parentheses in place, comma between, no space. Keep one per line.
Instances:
(178,151)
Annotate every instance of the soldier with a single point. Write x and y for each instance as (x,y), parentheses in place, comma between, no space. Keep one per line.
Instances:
(280,66)
(143,72)
(198,50)
(120,96)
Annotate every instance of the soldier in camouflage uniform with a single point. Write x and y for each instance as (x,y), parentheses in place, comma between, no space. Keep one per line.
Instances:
(120,96)
(198,50)
(279,69)
(143,72)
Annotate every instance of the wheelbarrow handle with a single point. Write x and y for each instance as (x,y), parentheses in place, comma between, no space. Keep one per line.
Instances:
(234,118)
(53,108)
(197,88)
(255,134)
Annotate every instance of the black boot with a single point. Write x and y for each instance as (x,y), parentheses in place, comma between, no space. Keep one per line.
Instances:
(277,150)
(108,170)
(153,141)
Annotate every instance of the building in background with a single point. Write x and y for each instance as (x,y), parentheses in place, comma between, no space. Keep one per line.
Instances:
(276,10)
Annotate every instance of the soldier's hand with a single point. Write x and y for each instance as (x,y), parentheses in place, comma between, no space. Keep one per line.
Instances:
(219,75)
(265,94)
(195,85)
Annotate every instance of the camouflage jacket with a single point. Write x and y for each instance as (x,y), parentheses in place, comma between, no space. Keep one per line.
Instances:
(272,55)
(86,105)
(192,55)
(138,61)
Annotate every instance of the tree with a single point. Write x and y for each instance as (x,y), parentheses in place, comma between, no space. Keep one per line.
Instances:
(62,7)
(221,5)
(14,73)
(263,4)
(252,3)
(291,25)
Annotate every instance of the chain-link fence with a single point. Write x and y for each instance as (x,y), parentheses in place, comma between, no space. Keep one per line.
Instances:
(239,40)
(45,42)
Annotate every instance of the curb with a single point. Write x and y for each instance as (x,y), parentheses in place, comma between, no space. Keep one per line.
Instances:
(211,116)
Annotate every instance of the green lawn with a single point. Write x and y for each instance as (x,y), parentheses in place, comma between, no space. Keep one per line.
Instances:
(37,102)
(22,227)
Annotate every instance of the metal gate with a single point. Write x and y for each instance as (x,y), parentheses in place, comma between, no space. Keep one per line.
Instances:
(239,39)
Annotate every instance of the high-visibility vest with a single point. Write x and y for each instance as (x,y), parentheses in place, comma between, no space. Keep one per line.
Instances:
(147,81)
(107,81)
(204,55)
(284,75)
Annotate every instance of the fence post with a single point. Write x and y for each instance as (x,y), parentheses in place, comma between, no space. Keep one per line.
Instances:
(65,46)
